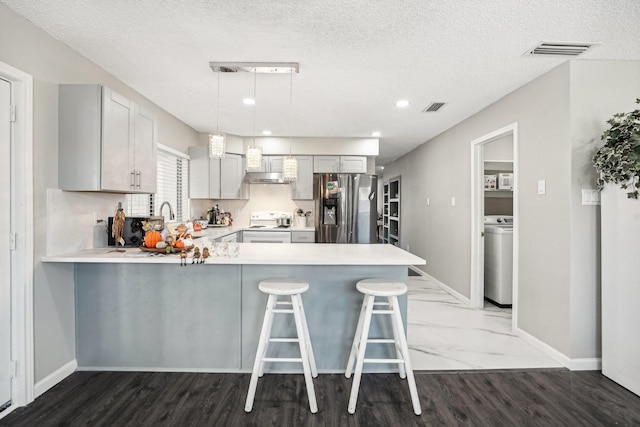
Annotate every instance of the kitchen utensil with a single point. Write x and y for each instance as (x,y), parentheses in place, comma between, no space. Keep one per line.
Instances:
(283,221)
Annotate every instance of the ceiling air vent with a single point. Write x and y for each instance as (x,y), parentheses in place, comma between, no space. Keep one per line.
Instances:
(433,107)
(560,48)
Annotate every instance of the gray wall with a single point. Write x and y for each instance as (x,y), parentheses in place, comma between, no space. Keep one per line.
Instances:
(560,116)
(50,62)
(598,90)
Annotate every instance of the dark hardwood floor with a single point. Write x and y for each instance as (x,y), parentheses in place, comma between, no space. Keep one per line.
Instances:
(474,398)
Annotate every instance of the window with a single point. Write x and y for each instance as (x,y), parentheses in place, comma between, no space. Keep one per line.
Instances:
(173,187)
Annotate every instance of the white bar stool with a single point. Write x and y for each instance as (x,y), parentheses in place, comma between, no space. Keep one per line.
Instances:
(276,288)
(372,288)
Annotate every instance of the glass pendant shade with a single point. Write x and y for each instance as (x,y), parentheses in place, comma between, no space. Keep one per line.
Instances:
(217,143)
(254,158)
(290,168)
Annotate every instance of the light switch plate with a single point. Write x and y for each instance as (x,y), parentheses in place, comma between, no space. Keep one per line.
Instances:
(542,187)
(590,197)
(453,201)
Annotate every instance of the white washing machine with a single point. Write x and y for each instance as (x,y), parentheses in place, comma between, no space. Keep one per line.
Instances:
(498,259)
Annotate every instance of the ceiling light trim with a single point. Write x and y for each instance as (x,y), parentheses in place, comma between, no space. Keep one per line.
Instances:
(255,67)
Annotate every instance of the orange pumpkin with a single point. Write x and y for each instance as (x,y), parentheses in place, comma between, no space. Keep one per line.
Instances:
(178,244)
(151,238)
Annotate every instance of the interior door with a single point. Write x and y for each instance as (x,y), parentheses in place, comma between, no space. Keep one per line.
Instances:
(5,250)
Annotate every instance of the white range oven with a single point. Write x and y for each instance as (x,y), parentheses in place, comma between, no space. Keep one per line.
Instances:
(264,228)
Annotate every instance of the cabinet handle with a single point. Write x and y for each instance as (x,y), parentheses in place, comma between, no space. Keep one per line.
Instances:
(138,179)
(133,179)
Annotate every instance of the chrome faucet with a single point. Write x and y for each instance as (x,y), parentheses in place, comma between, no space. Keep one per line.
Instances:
(171,215)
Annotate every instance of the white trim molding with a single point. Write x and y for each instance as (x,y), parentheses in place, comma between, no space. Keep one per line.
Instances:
(54,378)
(578,364)
(22,335)
(477,218)
(457,295)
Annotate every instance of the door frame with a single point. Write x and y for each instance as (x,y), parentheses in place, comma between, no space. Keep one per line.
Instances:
(22,334)
(477,220)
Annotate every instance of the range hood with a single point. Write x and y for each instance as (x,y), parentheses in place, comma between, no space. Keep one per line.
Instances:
(264,178)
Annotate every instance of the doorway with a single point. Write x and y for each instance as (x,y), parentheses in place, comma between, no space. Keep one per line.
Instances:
(478,212)
(16,249)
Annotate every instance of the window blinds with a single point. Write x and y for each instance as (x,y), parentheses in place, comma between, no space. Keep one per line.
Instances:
(172,187)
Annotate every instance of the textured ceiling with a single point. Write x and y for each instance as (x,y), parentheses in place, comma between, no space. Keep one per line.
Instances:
(357,57)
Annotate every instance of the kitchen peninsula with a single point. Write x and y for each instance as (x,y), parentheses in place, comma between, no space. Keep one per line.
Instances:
(141,311)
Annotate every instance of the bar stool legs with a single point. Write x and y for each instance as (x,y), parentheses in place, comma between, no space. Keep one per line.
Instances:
(390,290)
(294,289)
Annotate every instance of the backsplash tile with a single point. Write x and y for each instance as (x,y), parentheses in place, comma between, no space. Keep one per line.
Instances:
(70,219)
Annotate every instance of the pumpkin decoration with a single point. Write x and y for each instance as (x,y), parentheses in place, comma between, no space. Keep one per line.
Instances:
(151,238)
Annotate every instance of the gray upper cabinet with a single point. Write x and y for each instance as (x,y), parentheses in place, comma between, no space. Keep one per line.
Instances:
(326,164)
(353,164)
(106,142)
(336,164)
(302,189)
(216,178)
(232,170)
(145,150)
(271,164)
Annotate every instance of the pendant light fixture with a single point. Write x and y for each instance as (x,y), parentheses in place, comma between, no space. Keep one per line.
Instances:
(217,140)
(290,163)
(254,154)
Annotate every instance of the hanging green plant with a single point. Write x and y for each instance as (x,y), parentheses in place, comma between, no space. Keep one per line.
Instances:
(618,161)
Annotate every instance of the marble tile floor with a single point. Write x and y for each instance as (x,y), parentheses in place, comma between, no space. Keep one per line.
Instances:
(445,334)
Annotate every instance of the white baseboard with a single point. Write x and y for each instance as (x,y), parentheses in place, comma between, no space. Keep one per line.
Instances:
(54,378)
(581,364)
(457,295)
(586,364)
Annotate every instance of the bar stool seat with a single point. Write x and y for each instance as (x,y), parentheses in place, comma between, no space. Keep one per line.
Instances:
(292,288)
(389,290)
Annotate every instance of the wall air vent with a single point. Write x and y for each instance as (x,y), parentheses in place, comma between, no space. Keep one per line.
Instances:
(433,107)
(560,48)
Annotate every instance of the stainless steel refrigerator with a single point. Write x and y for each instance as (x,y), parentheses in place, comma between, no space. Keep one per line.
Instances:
(345,208)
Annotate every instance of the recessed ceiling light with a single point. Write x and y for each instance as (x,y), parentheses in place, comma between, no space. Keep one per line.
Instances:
(375,134)
(402,103)
(266,132)
(249,101)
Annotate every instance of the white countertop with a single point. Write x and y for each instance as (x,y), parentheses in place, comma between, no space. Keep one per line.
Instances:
(258,254)
(215,232)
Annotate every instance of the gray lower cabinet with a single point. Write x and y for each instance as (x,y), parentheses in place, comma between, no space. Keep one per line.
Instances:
(156,316)
(303,236)
(163,317)
(216,178)
(106,142)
